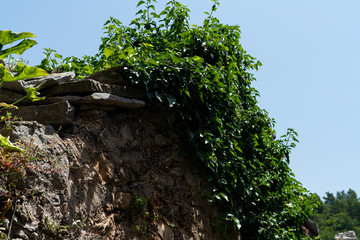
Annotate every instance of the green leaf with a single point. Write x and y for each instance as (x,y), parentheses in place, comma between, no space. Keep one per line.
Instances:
(140,3)
(223,195)
(22,72)
(187,92)
(5,74)
(148,45)
(32,94)
(7,36)
(197,58)
(139,12)
(18,49)
(152,7)
(237,222)
(58,56)
(5,143)
(108,52)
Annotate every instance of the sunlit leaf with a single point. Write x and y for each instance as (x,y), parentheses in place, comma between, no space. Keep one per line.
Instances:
(32,94)
(5,143)
(18,49)
(7,36)
(58,55)
(21,72)
(140,3)
(108,52)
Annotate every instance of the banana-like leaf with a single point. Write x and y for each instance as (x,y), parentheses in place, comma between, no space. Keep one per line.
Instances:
(5,143)
(22,72)
(18,49)
(7,36)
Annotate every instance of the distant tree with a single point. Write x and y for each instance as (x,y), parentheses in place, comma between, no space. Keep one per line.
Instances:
(338,214)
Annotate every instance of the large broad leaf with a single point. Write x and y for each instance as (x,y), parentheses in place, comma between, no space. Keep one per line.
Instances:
(5,73)
(7,36)
(5,143)
(22,72)
(18,49)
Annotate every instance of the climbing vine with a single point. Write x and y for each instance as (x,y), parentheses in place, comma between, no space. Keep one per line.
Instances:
(204,75)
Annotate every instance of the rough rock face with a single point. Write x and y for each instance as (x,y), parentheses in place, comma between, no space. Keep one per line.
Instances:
(119,172)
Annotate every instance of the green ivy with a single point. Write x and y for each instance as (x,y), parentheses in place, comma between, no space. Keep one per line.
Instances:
(204,75)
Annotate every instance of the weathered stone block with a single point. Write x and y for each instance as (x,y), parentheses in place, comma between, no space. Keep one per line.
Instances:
(50,80)
(9,96)
(100,99)
(73,87)
(107,99)
(61,113)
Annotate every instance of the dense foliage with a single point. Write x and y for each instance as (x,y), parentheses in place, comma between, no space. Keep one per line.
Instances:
(204,75)
(337,214)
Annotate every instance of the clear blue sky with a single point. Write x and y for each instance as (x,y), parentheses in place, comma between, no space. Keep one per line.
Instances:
(309,80)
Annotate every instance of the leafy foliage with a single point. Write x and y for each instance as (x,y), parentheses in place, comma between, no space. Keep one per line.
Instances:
(22,71)
(337,214)
(204,75)
(54,62)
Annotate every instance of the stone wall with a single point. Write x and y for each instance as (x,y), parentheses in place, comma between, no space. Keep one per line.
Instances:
(120,172)
(349,235)
(64,95)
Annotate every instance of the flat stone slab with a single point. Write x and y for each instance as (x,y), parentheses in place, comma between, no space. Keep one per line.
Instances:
(55,99)
(87,86)
(50,80)
(101,99)
(60,113)
(108,99)
(73,87)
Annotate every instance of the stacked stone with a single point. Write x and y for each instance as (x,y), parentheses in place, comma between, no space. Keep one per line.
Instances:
(105,91)
(350,235)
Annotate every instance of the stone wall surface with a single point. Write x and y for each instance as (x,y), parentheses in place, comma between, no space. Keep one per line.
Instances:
(349,235)
(120,172)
